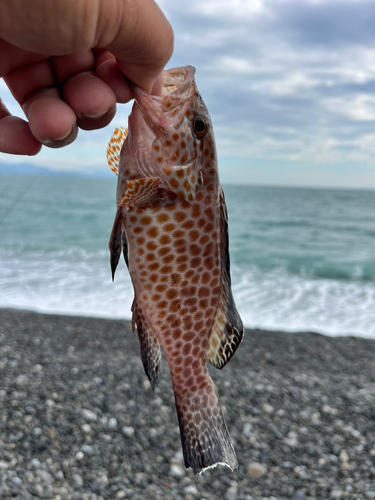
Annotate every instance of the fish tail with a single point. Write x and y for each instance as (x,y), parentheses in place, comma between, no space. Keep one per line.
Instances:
(204,435)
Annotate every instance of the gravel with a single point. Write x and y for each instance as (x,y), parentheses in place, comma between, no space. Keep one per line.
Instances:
(79,421)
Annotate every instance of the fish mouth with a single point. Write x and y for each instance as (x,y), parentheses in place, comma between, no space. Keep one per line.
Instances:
(167,111)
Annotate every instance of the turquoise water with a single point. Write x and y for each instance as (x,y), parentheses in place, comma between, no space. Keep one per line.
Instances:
(302,259)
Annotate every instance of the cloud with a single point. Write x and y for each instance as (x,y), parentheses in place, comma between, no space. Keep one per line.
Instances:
(285,80)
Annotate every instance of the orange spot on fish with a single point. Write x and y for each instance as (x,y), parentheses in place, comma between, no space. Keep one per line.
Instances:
(195,250)
(179,216)
(178,233)
(163,251)
(162,218)
(195,262)
(153,232)
(195,211)
(171,294)
(188,224)
(146,220)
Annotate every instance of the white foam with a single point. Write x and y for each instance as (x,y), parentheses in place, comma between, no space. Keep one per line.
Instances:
(77,282)
(277,300)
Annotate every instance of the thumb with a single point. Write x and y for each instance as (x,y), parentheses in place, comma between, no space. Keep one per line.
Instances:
(143,43)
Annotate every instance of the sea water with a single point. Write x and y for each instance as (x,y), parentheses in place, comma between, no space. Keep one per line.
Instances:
(301,259)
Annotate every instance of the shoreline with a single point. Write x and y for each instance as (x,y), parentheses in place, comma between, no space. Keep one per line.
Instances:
(281,330)
(79,420)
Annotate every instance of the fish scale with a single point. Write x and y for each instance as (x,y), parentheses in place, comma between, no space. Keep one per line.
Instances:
(171,220)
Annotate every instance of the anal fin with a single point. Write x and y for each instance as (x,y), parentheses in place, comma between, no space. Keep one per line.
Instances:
(227,331)
(149,345)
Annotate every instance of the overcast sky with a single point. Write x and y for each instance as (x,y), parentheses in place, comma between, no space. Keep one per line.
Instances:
(290,85)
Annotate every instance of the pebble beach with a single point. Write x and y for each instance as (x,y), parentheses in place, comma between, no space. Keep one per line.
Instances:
(79,421)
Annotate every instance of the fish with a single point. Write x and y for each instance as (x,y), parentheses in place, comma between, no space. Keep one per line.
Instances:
(171,225)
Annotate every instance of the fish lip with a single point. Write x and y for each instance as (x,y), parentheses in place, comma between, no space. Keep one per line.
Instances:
(152,107)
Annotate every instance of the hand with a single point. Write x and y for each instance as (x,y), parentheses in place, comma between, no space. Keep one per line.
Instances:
(65,62)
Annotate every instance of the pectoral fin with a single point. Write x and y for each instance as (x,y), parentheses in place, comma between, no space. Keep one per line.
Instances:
(140,192)
(227,331)
(114,148)
(149,344)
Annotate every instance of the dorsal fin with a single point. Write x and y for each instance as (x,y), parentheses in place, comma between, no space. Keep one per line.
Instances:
(227,331)
(114,148)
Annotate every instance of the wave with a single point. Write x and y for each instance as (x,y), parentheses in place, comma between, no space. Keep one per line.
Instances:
(78,282)
(278,300)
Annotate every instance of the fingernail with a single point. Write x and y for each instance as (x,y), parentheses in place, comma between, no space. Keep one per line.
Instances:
(62,141)
(93,122)
(95,116)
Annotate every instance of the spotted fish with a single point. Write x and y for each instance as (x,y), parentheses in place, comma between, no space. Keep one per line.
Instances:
(171,224)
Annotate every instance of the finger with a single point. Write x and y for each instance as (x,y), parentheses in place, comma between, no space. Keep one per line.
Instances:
(67,66)
(15,135)
(135,31)
(28,79)
(108,71)
(12,57)
(91,99)
(51,120)
(158,85)
(35,88)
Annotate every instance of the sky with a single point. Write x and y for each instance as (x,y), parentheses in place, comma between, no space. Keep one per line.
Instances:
(290,86)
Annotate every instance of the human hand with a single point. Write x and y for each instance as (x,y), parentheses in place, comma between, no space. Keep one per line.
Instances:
(64,62)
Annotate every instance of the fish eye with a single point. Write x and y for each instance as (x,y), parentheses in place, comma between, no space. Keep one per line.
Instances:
(200,127)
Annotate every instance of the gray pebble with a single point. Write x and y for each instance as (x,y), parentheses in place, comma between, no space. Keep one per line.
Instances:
(59,425)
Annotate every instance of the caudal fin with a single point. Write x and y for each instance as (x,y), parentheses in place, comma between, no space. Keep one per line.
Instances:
(204,435)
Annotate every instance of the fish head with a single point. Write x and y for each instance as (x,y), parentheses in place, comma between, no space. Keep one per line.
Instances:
(171,135)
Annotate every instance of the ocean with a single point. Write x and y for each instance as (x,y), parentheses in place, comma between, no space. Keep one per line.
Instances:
(301,259)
